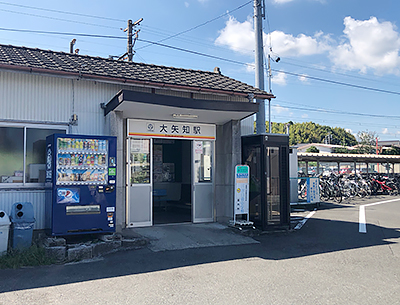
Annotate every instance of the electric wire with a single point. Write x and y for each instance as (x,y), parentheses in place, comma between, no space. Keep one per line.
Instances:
(283,61)
(171,36)
(63,33)
(336,82)
(58,19)
(345,113)
(199,25)
(209,56)
(324,121)
(61,12)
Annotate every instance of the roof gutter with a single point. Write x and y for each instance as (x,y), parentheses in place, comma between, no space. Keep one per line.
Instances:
(129,81)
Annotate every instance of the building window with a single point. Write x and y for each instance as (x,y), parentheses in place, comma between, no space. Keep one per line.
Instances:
(203,162)
(22,153)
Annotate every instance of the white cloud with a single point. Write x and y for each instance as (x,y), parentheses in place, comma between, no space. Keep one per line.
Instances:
(304,116)
(368,44)
(186,4)
(239,37)
(279,78)
(202,1)
(300,45)
(385,131)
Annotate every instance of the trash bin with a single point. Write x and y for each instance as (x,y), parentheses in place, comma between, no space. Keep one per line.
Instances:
(4,231)
(22,222)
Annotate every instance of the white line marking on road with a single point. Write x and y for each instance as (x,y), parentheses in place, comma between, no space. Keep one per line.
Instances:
(362,227)
(362,224)
(301,223)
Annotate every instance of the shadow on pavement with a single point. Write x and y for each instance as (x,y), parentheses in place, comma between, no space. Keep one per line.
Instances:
(318,236)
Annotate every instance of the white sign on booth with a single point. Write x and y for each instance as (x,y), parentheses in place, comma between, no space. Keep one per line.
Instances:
(242,176)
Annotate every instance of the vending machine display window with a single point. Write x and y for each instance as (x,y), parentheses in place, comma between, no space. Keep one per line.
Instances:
(81,161)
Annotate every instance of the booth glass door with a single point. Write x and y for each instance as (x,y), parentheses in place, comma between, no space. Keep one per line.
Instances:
(203,185)
(139,172)
(273,186)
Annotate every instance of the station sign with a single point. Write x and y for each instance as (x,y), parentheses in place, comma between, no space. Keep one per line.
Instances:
(171,130)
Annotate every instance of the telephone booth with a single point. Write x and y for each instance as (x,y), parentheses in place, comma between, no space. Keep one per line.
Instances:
(267,155)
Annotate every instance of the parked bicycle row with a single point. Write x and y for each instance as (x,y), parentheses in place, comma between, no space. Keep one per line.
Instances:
(341,187)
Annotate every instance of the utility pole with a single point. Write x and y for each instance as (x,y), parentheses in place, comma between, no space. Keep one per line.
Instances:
(131,42)
(259,62)
(130,45)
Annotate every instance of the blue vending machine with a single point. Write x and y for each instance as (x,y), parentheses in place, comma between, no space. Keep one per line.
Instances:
(80,180)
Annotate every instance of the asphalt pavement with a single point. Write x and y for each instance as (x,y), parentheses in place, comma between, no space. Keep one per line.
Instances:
(327,261)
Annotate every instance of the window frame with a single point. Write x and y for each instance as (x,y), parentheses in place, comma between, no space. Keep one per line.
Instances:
(25,126)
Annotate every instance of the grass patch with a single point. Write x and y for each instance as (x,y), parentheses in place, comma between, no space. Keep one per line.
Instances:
(33,256)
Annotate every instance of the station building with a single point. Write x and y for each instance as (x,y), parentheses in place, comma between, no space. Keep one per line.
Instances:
(178,131)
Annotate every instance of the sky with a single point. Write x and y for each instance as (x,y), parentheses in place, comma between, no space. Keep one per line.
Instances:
(339,59)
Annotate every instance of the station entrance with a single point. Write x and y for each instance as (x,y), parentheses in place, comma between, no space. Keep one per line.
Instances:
(172,166)
(169,174)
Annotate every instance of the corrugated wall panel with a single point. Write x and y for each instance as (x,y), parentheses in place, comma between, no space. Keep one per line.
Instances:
(34,98)
(88,97)
(36,197)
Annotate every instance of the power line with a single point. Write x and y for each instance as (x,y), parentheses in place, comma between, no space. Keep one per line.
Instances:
(193,52)
(58,19)
(336,82)
(331,72)
(61,12)
(200,25)
(209,56)
(345,112)
(324,121)
(63,33)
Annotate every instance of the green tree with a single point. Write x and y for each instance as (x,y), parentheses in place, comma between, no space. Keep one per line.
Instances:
(310,132)
(366,141)
(312,149)
(392,151)
(340,150)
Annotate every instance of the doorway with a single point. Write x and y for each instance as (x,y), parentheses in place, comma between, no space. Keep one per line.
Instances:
(172,181)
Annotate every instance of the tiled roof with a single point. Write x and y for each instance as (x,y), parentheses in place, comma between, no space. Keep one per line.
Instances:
(13,57)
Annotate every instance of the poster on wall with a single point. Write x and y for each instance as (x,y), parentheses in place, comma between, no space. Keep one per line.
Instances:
(158,163)
(198,147)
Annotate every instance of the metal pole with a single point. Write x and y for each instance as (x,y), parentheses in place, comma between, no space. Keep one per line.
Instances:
(71,46)
(270,91)
(259,64)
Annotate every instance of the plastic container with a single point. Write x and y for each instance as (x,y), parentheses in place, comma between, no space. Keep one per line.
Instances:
(4,232)
(22,222)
